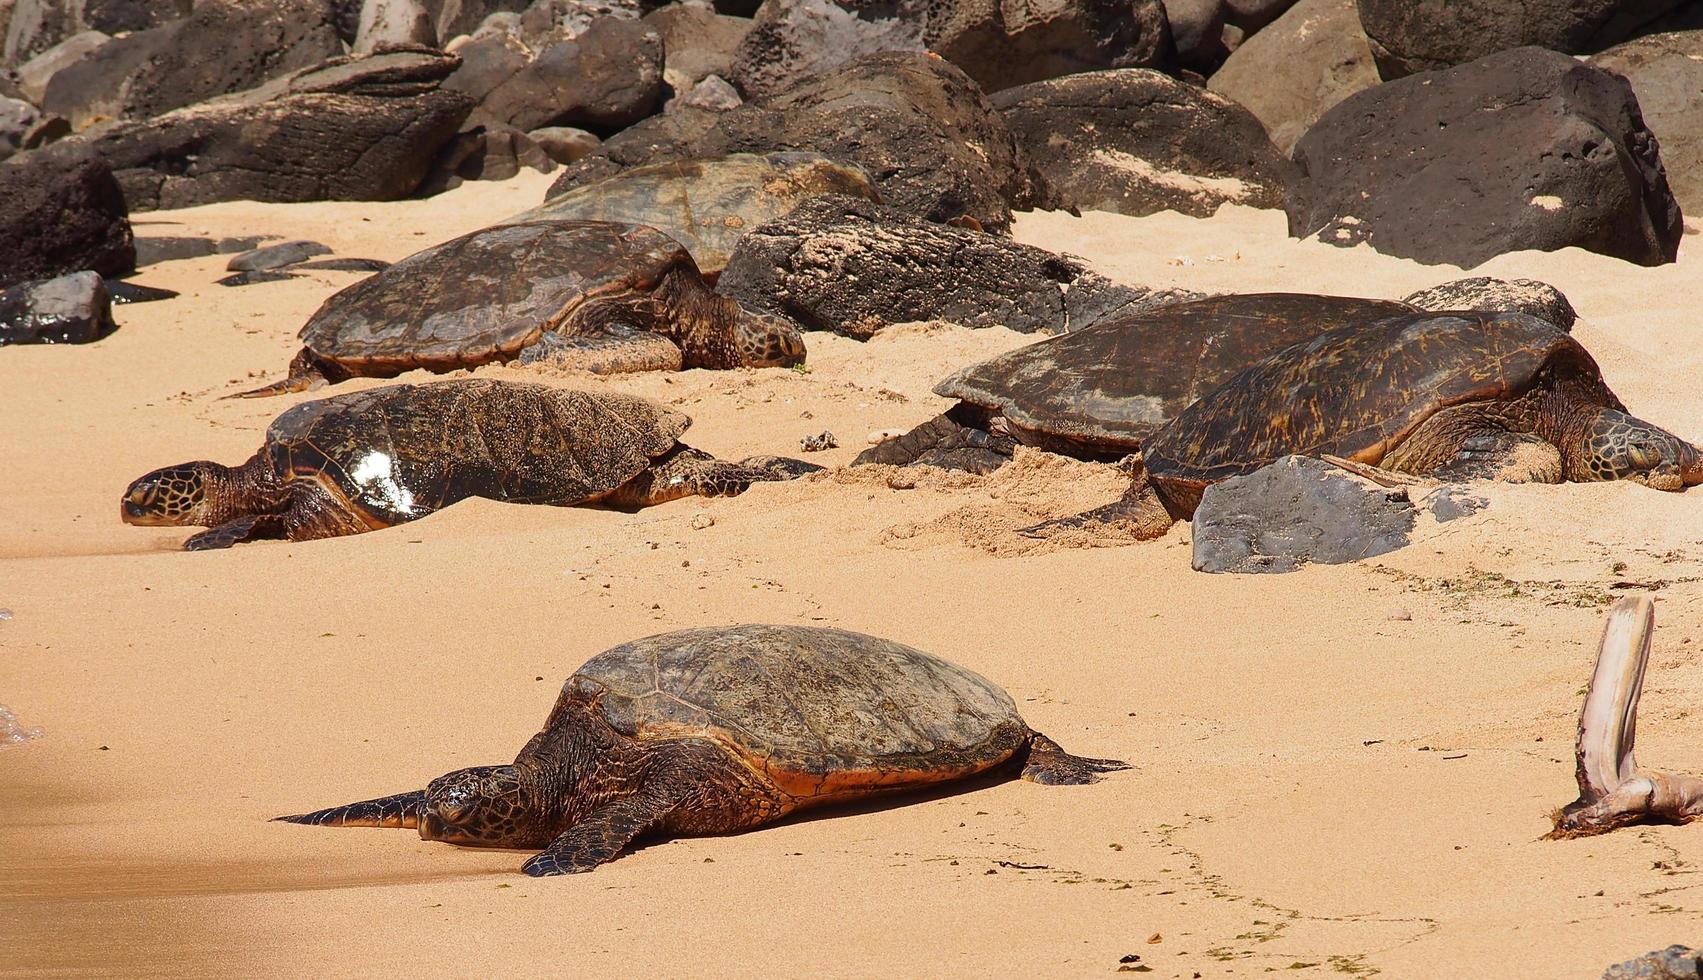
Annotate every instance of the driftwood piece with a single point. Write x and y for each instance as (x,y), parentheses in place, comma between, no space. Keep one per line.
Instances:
(1613,791)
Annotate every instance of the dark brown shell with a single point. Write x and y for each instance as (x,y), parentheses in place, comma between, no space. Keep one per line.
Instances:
(1359,391)
(1111,385)
(483,296)
(399,452)
(822,712)
(708,204)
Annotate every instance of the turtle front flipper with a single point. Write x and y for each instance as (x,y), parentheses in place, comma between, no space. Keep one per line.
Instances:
(254,527)
(1511,457)
(610,349)
(687,472)
(399,812)
(1049,764)
(306,373)
(601,836)
(955,439)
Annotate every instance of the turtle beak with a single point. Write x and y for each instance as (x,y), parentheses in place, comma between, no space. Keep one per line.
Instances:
(399,812)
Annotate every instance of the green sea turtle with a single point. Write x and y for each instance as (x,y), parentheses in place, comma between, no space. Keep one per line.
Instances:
(708,204)
(1460,395)
(365,460)
(710,731)
(1096,393)
(612,296)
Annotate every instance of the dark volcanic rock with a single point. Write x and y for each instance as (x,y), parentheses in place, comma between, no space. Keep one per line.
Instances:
(1197,31)
(353,129)
(255,276)
(696,41)
(608,77)
(1666,72)
(1674,963)
(922,130)
(1254,15)
(391,22)
(1136,142)
(37,25)
(1529,296)
(1409,37)
(73,309)
(224,46)
(1526,149)
(1305,62)
(347,265)
(276,256)
(995,43)
(854,267)
(61,211)
(129,292)
(1294,511)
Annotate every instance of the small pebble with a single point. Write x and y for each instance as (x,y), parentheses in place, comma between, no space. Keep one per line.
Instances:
(5,614)
(1401,616)
(819,442)
(701,521)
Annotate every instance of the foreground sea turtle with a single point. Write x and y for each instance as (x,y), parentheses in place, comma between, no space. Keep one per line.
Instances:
(1458,396)
(370,459)
(708,204)
(616,297)
(710,731)
(1098,392)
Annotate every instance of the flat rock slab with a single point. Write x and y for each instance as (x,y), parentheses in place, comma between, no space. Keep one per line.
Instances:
(73,309)
(276,256)
(1294,511)
(170,248)
(255,276)
(347,265)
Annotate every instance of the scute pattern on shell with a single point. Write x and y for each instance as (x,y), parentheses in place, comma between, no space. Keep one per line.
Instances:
(1114,383)
(805,704)
(485,295)
(1358,391)
(401,451)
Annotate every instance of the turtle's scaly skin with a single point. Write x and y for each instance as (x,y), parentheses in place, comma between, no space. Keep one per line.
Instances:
(717,730)
(371,459)
(708,204)
(485,296)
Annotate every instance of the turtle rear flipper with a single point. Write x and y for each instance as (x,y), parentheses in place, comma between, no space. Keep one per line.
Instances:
(1050,765)
(306,373)
(613,349)
(600,837)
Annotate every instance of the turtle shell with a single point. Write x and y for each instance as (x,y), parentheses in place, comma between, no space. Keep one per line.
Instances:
(399,452)
(708,204)
(1101,390)
(823,713)
(483,296)
(1359,391)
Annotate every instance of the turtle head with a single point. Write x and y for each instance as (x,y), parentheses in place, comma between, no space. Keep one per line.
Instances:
(1619,446)
(186,494)
(764,340)
(485,806)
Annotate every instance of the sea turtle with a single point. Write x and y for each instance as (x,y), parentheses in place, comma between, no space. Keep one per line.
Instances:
(619,297)
(707,204)
(1098,392)
(365,460)
(1459,395)
(710,731)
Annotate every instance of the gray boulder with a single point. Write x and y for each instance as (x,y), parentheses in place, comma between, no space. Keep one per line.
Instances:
(565,144)
(34,74)
(37,25)
(354,129)
(61,211)
(1666,72)
(1299,66)
(696,42)
(1197,31)
(1409,37)
(1525,149)
(391,22)
(1528,296)
(1294,511)
(609,77)
(795,39)
(1674,963)
(1250,16)
(1136,141)
(855,267)
(73,309)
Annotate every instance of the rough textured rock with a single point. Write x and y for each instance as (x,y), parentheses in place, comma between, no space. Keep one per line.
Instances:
(224,46)
(854,267)
(1526,149)
(1529,296)
(392,22)
(1409,37)
(1666,72)
(1301,65)
(1137,142)
(610,76)
(922,130)
(487,61)
(353,129)
(696,41)
(456,17)
(1674,963)
(1294,511)
(37,25)
(73,309)
(564,144)
(33,75)
(711,92)
(999,44)
(61,211)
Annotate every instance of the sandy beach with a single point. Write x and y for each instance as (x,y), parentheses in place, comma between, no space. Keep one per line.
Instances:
(1342,771)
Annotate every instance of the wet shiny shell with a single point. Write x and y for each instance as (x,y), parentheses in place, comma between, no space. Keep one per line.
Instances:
(483,296)
(708,204)
(821,712)
(399,452)
(1359,391)
(1112,385)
